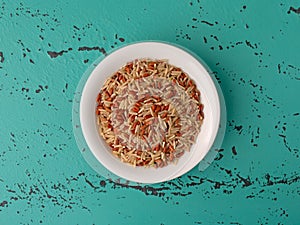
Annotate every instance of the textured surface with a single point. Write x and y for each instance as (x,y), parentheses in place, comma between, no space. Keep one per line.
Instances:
(253,49)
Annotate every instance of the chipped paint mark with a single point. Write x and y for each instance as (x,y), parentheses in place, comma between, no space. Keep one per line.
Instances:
(287,146)
(220,155)
(206,22)
(56,54)
(3,204)
(147,190)
(1,57)
(290,70)
(253,46)
(233,149)
(246,181)
(97,48)
(238,128)
(75,27)
(272,180)
(90,183)
(292,9)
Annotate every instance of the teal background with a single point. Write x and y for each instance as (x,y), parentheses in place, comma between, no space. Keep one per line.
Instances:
(251,46)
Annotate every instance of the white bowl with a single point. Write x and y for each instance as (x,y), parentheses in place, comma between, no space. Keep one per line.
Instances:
(177,57)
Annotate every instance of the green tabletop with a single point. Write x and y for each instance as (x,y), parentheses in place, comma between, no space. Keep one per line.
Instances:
(252,47)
